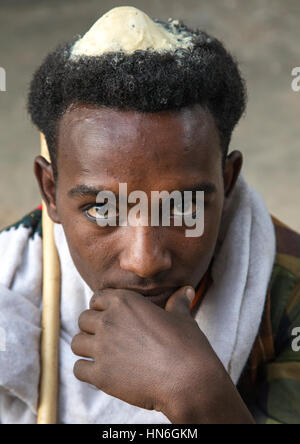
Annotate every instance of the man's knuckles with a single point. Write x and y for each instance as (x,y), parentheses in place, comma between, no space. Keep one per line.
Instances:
(80,344)
(112,297)
(92,321)
(74,343)
(85,320)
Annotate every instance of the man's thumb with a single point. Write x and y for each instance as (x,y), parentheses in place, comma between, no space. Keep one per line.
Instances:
(180,301)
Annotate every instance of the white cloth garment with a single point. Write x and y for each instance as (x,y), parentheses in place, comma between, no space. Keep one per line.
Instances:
(229,315)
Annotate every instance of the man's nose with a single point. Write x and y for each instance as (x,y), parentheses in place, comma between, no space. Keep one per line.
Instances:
(143,252)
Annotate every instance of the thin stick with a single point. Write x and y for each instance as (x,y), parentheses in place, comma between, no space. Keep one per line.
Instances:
(47,409)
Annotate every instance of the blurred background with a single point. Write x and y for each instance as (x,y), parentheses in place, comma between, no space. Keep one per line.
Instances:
(264,35)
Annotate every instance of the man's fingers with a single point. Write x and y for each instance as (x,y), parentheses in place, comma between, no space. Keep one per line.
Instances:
(87,321)
(98,302)
(82,345)
(102,298)
(180,301)
(84,370)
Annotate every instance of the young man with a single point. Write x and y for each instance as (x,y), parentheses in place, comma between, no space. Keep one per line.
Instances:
(169,328)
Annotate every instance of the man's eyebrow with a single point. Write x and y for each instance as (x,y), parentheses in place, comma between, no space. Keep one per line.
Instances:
(84,190)
(207,187)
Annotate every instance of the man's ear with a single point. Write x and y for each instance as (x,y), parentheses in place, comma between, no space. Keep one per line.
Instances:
(233,165)
(44,174)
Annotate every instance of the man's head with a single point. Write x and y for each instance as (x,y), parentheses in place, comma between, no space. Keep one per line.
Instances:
(143,80)
(156,121)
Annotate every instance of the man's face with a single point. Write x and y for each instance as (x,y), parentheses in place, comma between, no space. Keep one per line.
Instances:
(99,148)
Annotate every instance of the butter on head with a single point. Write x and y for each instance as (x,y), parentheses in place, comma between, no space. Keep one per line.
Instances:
(128,29)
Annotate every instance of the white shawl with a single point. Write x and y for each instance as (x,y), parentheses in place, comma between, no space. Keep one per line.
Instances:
(229,315)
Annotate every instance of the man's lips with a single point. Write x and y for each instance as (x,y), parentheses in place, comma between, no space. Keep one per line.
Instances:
(155,291)
(158,296)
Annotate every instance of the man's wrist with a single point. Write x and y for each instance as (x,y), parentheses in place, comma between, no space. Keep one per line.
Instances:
(215,400)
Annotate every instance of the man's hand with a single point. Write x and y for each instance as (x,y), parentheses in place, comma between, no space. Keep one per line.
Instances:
(154,358)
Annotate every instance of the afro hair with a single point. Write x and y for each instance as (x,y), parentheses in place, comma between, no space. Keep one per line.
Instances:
(145,81)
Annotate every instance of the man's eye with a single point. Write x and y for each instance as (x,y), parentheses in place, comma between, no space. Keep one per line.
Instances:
(101,211)
(188,208)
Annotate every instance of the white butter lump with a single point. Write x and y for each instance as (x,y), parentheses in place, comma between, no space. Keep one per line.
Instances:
(128,29)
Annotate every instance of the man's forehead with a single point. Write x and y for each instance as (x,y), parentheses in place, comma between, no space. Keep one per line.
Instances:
(126,143)
(190,123)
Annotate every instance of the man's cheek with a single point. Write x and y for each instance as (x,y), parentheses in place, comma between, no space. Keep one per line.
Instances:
(84,250)
(204,246)
(199,262)
(212,221)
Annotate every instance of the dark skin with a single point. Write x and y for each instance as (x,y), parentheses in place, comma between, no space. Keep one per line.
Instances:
(146,347)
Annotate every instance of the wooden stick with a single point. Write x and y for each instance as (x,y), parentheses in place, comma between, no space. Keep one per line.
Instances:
(48,399)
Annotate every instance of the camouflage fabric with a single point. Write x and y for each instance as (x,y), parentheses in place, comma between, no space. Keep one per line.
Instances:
(32,220)
(270,384)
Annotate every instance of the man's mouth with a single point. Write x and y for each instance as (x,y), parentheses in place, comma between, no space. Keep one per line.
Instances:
(158,295)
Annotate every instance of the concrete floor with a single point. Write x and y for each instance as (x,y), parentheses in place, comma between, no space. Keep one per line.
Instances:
(263,34)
